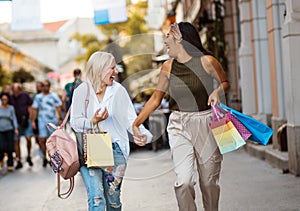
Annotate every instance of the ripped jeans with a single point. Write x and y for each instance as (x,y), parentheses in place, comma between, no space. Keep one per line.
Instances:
(104,184)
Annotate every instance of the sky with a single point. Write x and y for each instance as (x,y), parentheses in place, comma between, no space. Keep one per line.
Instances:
(54,10)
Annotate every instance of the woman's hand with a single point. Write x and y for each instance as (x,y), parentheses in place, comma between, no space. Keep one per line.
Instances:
(213,98)
(100,116)
(138,138)
(33,125)
(17,131)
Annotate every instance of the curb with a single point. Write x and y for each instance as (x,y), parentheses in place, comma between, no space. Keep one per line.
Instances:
(274,157)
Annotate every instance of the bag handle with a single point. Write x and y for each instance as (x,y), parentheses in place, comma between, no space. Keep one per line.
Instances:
(99,127)
(68,193)
(216,114)
(87,98)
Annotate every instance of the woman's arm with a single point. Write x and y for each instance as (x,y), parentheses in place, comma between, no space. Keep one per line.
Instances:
(214,68)
(157,96)
(155,100)
(124,114)
(15,121)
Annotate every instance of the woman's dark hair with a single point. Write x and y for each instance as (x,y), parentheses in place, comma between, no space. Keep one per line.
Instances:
(4,94)
(191,40)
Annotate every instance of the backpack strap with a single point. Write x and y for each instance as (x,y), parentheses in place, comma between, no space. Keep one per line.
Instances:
(71,187)
(87,98)
(86,105)
(68,193)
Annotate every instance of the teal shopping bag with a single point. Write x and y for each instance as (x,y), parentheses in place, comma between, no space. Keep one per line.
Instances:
(261,133)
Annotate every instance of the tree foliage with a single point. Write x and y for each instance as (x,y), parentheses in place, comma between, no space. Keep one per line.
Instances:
(216,33)
(22,76)
(5,76)
(135,24)
(124,34)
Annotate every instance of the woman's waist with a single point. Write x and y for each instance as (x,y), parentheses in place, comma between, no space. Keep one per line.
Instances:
(189,105)
(192,113)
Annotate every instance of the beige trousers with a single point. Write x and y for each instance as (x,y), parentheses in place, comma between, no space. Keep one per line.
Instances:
(191,140)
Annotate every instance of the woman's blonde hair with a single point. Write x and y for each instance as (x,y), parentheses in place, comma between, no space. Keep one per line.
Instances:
(96,68)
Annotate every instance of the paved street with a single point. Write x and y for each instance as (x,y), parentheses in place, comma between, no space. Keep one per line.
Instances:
(247,183)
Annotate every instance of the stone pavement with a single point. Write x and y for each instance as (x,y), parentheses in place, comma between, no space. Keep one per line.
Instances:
(247,183)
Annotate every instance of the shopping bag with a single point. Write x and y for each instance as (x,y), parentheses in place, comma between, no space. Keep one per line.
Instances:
(243,131)
(261,133)
(225,133)
(99,152)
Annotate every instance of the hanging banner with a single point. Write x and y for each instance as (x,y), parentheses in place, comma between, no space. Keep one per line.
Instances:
(109,11)
(26,15)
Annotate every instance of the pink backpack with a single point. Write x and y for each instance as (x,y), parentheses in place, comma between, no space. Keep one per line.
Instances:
(62,150)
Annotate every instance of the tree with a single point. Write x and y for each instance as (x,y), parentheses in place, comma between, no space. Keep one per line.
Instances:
(215,32)
(90,43)
(21,76)
(136,23)
(5,76)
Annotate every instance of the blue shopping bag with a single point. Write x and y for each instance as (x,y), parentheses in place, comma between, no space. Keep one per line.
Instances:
(261,133)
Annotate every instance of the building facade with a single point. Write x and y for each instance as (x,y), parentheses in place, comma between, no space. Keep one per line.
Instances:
(53,45)
(12,59)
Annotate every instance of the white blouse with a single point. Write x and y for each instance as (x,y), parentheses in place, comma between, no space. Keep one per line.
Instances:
(121,113)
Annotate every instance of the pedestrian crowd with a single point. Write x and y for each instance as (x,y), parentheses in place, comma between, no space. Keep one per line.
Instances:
(27,114)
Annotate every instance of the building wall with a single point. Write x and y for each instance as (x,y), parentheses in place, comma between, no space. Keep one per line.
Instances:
(275,18)
(291,77)
(13,59)
(54,49)
(43,50)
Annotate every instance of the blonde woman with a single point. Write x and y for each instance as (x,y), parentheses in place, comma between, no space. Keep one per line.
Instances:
(110,105)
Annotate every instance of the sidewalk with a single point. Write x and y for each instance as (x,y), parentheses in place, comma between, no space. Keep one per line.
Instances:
(247,183)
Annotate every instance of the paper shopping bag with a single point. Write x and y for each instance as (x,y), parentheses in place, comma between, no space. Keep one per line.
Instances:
(225,133)
(98,149)
(261,133)
(243,131)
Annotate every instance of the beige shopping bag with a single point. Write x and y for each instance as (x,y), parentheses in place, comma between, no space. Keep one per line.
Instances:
(99,152)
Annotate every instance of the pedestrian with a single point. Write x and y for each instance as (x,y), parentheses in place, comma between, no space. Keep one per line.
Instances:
(69,89)
(109,105)
(22,102)
(188,78)
(47,108)
(39,89)
(8,127)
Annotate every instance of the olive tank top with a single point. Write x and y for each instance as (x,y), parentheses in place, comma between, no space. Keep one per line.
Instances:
(189,86)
